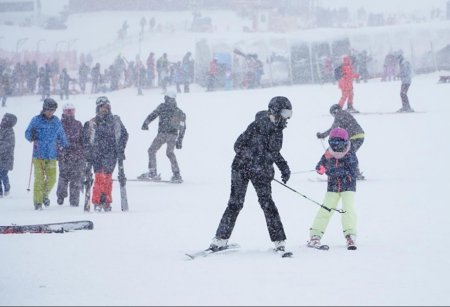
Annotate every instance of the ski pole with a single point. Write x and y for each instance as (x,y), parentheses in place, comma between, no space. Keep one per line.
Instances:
(31,170)
(302,172)
(321,141)
(319,204)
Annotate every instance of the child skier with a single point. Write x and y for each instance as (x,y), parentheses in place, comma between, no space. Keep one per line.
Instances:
(341,165)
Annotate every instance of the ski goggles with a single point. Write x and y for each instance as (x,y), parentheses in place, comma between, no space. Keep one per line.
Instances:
(286,113)
(69,111)
(102,100)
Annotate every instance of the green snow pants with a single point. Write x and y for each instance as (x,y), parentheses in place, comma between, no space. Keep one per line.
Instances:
(348,219)
(44,179)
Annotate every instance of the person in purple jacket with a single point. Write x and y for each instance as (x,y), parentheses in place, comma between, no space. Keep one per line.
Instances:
(46,133)
(71,159)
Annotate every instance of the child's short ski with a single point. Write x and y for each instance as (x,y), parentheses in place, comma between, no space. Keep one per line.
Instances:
(323,247)
(209,251)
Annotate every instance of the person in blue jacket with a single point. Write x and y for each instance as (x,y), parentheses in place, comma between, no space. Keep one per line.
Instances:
(47,134)
(340,164)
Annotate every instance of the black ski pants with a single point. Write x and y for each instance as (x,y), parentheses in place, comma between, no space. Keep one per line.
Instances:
(262,185)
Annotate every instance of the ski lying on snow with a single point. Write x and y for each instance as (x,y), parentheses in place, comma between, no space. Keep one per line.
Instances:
(230,247)
(48,228)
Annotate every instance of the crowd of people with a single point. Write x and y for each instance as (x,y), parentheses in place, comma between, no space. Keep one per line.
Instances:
(100,143)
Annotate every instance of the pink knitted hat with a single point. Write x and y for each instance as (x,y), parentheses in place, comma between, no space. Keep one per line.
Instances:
(339,133)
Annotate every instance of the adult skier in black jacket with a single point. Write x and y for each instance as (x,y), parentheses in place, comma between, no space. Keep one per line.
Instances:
(257,149)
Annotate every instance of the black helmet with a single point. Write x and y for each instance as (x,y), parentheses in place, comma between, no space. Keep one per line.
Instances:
(334,109)
(49,104)
(280,110)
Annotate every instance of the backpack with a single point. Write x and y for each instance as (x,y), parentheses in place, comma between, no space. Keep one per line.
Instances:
(338,73)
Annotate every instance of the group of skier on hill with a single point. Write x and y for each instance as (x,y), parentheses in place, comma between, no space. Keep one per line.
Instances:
(100,143)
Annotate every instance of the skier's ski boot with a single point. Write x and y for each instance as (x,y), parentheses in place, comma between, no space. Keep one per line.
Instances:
(107,207)
(279,246)
(151,176)
(46,201)
(351,109)
(37,206)
(176,178)
(97,207)
(60,200)
(218,244)
(351,242)
(314,242)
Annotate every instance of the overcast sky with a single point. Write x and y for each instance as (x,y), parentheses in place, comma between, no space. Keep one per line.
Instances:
(386,5)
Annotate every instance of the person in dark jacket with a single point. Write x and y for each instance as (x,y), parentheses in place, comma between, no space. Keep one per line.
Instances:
(64,81)
(47,134)
(405,77)
(171,130)
(7,145)
(71,159)
(346,120)
(340,164)
(105,139)
(257,149)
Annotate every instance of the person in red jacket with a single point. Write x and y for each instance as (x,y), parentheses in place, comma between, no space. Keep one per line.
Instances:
(346,84)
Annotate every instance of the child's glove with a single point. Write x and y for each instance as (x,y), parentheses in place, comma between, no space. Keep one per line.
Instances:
(321,170)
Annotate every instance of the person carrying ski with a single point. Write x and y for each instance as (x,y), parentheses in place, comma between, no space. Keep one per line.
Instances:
(171,130)
(346,84)
(257,149)
(105,140)
(346,120)
(7,145)
(340,164)
(47,134)
(71,160)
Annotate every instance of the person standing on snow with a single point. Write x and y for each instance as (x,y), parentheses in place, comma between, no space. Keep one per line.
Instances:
(345,120)
(340,163)
(105,139)
(171,130)
(71,159)
(7,145)
(346,84)
(257,149)
(405,77)
(47,134)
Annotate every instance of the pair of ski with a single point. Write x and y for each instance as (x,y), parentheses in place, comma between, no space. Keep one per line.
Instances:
(229,248)
(89,180)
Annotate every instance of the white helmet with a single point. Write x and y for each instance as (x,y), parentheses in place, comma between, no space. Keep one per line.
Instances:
(68,106)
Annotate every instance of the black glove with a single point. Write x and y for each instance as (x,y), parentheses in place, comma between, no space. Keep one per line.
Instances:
(178,144)
(144,126)
(34,136)
(320,135)
(285,174)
